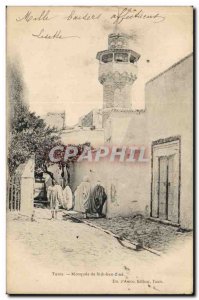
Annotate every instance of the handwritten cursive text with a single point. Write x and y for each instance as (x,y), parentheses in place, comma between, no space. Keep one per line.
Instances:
(57,35)
(43,16)
(129,14)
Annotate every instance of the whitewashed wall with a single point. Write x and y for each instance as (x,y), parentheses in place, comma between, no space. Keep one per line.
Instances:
(169,111)
(27,188)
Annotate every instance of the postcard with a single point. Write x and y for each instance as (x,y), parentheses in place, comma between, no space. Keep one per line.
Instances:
(100,150)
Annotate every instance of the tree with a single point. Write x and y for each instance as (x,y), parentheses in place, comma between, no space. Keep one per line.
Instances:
(28,133)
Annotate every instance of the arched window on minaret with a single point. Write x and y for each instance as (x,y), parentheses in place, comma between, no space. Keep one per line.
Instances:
(121,57)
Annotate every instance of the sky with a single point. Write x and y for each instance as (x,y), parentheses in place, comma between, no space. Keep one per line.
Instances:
(62,74)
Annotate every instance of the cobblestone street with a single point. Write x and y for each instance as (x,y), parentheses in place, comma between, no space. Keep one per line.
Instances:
(70,252)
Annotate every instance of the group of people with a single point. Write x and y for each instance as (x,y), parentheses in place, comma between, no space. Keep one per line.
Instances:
(59,197)
(86,199)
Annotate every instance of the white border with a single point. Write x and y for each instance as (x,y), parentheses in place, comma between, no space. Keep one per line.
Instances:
(4,3)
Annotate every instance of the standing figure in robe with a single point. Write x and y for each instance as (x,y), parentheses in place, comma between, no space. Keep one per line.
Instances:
(98,199)
(55,197)
(67,198)
(82,197)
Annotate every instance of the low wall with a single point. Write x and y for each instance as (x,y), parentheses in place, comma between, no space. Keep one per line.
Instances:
(126,185)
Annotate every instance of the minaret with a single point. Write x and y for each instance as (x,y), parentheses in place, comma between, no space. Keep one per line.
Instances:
(117,72)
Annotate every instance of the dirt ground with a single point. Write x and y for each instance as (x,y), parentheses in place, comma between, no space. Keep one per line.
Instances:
(148,233)
(60,256)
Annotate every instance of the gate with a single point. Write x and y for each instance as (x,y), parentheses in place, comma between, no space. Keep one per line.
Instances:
(14,193)
(21,189)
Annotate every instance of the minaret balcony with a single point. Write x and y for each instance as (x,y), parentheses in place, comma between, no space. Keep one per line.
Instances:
(117,63)
(114,71)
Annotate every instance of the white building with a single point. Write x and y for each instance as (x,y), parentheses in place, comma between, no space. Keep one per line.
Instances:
(162,187)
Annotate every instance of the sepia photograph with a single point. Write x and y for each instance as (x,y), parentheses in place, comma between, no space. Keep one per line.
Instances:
(99,147)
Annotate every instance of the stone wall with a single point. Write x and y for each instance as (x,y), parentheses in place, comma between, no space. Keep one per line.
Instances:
(83,135)
(55,119)
(87,120)
(123,183)
(92,119)
(169,112)
(27,188)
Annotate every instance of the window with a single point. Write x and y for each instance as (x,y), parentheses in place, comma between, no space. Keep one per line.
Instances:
(121,57)
(132,59)
(119,44)
(107,58)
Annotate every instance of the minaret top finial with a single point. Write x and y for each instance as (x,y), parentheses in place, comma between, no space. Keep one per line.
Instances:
(115,30)
(118,41)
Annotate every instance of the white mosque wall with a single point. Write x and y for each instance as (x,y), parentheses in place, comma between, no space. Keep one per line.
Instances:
(83,135)
(123,183)
(169,113)
(169,109)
